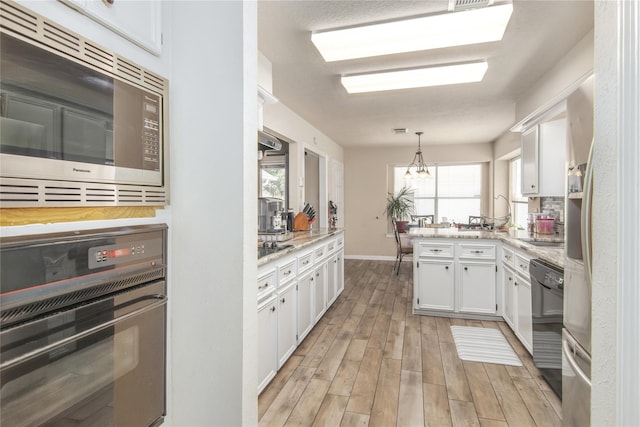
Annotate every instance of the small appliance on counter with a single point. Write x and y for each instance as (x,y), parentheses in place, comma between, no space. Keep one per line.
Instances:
(270,215)
(272,220)
(545,225)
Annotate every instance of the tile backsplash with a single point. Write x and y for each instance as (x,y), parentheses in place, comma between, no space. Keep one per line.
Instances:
(554,207)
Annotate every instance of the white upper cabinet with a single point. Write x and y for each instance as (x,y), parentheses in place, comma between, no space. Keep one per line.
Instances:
(137,21)
(529,161)
(544,152)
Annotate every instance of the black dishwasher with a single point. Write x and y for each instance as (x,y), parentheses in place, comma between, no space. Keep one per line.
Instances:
(547,287)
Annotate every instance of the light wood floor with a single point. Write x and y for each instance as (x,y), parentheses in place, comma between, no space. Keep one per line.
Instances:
(371,362)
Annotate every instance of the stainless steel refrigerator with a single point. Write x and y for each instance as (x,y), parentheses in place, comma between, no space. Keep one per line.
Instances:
(576,334)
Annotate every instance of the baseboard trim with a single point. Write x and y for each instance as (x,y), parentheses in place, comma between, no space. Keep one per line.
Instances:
(373,257)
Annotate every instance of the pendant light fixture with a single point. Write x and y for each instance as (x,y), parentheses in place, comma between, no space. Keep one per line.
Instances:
(418,163)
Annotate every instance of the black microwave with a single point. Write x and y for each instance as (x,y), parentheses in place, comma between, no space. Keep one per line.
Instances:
(74,116)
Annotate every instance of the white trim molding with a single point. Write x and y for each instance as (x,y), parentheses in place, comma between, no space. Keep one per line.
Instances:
(628,340)
(372,257)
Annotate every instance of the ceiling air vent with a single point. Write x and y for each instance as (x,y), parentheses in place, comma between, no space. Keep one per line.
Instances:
(398,131)
(458,5)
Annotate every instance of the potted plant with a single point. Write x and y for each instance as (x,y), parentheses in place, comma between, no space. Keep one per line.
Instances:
(399,207)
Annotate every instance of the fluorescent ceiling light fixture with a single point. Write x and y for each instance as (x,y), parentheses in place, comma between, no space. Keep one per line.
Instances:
(414,34)
(415,77)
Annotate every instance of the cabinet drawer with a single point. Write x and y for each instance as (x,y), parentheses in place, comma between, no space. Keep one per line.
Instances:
(340,242)
(287,271)
(320,252)
(305,261)
(332,245)
(267,282)
(508,257)
(438,250)
(477,251)
(522,266)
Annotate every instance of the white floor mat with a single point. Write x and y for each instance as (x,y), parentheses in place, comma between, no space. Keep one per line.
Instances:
(485,345)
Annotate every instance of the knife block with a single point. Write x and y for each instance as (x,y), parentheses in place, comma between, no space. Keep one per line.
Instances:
(300,222)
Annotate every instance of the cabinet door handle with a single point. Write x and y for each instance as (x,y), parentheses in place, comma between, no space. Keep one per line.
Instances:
(510,278)
(446,267)
(287,273)
(515,283)
(335,261)
(317,274)
(466,268)
(273,308)
(263,286)
(283,300)
(436,250)
(312,279)
(305,262)
(533,186)
(477,252)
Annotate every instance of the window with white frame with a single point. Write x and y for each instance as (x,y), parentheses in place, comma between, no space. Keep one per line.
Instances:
(452,191)
(519,203)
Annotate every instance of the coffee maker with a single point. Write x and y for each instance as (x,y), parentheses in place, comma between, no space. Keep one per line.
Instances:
(270,213)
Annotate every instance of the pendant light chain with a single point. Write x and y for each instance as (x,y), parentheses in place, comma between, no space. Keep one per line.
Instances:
(418,162)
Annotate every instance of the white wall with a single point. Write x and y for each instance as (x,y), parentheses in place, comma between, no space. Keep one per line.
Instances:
(367,184)
(213,126)
(615,370)
(577,63)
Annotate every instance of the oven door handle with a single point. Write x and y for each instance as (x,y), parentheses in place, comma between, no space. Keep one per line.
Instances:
(160,301)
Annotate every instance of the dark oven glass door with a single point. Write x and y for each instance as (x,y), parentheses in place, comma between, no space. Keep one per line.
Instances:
(100,364)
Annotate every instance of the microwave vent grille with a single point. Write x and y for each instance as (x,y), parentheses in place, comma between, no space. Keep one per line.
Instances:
(28,193)
(20,21)
(64,40)
(98,55)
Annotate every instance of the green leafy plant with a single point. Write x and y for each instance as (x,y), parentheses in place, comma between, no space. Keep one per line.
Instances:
(399,206)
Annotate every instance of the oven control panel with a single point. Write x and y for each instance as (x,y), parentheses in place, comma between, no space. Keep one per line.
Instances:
(124,253)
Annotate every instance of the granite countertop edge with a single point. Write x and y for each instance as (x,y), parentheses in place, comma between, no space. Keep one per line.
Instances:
(518,239)
(300,240)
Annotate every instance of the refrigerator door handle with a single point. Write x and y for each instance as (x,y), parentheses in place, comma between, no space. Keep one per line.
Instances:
(568,352)
(585,223)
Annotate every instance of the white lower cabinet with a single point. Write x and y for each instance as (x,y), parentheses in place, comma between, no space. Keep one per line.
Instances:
(267,341)
(524,325)
(320,291)
(436,284)
(517,295)
(287,321)
(332,283)
(455,277)
(305,304)
(509,289)
(340,272)
(477,287)
(294,292)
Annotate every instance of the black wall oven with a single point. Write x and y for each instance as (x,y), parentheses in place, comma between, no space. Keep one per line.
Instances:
(83,337)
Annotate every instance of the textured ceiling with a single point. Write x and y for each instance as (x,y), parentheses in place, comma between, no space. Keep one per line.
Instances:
(539,33)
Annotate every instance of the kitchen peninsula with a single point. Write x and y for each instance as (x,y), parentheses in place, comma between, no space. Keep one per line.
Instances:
(296,285)
(479,274)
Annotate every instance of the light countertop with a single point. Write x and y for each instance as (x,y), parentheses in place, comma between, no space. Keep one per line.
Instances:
(300,240)
(519,239)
